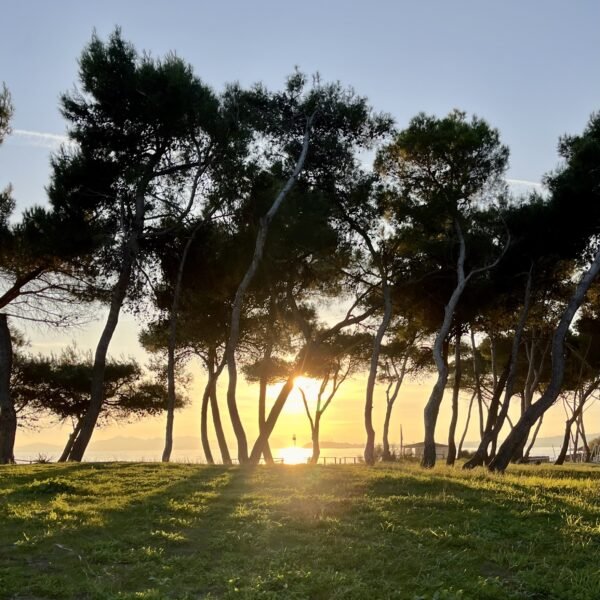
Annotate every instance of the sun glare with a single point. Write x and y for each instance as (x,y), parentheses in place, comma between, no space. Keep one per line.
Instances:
(294,455)
(294,404)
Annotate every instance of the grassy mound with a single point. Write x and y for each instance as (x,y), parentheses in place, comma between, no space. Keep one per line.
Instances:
(153,531)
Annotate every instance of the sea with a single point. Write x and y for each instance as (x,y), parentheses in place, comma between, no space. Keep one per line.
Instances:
(288,455)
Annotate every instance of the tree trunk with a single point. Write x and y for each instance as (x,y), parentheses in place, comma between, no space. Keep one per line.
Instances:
(369,453)
(455,392)
(387,455)
(477,383)
(262,393)
(432,408)
(218,425)
(479,458)
(494,426)
(533,438)
(171,395)
(537,409)
(263,437)
(204,424)
(67,450)
(584,441)
(236,312)
(464,435)
(316,448)
(262,416)
(8,415)
(130,251)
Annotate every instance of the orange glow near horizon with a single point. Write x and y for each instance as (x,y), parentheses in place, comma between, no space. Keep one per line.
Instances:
(294,455)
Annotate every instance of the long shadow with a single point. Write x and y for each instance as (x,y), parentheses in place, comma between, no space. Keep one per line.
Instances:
(74,556)
(306,532)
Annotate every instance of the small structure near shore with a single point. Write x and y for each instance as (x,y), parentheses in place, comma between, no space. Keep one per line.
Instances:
(416,450)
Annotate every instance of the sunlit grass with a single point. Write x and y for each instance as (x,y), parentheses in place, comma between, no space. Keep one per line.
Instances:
(187,531)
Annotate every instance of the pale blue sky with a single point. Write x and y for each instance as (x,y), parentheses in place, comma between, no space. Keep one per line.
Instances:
(528,67)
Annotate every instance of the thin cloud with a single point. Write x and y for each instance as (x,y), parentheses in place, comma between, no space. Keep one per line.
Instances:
(40,139)
(536,184)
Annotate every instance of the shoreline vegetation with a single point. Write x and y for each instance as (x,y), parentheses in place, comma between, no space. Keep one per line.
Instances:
(108,531)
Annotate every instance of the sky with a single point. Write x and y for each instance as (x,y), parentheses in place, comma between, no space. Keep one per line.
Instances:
(529,68)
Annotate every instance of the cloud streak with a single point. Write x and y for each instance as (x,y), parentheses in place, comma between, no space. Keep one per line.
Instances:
(535,184)
(39,139)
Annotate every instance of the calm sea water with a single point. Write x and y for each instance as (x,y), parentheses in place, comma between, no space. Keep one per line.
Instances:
(290,455)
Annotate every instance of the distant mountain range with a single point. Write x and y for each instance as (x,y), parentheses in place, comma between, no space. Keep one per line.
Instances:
(123,443)
(192,443)
(334,445)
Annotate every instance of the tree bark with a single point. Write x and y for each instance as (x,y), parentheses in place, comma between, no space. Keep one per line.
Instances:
(8,414)
(67,450)
(218,425)
(263,437)
(533,438)
(494,426)
(455,393)
(369,453)
(316,448)
(480,456)
(236,312)
(387,455)
(204,423)
(90,417)
(432,408)
(560,459)
(130,251)
(477,376)
(537,409)
(171,395)
(464,435)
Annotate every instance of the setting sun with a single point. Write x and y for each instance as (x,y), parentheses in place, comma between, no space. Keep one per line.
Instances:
(294,404)
(294,455)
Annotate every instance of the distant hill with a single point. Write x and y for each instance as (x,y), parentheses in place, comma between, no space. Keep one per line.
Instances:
(335,445)
(129,444)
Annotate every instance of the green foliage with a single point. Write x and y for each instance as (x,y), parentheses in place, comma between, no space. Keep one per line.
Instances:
(183,531)
(59,385)
(6,112)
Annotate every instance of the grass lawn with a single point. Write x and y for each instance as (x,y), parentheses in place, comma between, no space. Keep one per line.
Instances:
(187,531)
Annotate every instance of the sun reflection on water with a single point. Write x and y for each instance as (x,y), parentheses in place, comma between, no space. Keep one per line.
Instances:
(294,455)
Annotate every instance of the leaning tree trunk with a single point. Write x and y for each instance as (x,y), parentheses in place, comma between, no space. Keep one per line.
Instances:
(584,441)
(264,376)
(494,426)
(477,377)
(432,408)
(387,455)
(8,414)
(171,395)
(455,393)
(204,424)
(369,453)
(533,438)
(316,448)
(218,425)
(236,311)
(480,455)
(90,418)
(67,449)
(466,429)
(548,398)
(263,437)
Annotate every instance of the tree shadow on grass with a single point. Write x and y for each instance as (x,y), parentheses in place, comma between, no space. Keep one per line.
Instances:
(155,531)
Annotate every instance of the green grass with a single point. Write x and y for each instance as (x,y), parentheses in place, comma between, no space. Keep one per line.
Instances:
(153,531)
